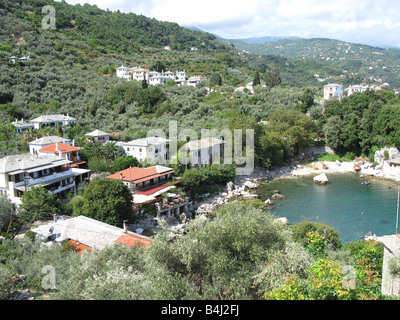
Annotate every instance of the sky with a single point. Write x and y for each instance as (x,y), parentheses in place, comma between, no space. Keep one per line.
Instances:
(371,22)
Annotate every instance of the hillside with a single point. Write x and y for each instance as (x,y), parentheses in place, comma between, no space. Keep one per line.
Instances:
(357,61)
(72,70)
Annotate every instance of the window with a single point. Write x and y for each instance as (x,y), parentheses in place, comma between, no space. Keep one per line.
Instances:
(140,149)
(127,149)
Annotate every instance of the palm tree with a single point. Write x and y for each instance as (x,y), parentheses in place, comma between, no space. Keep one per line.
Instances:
(29,135)
(109,150)
(93,149)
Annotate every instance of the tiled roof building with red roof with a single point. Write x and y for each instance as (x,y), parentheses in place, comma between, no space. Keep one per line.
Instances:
(64,151)
(138,178)
(145,183)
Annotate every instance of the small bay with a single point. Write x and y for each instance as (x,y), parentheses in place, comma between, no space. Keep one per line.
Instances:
(344,203)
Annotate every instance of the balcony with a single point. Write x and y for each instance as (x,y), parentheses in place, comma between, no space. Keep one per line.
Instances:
(44,179)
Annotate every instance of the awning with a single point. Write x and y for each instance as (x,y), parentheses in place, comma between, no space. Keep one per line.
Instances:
(49,166)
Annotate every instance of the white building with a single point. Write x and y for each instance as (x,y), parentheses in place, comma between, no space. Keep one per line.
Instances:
(169,74)
(158,80)
(139,73)
(52,120)
(356,88)
(21,126)
(19,173)
(333,90)
(192,81)
(45,141)
(181,75)
(134,73)
(123,72)
(97,136)
(204,151)
(150,148)
(85,233)
(155,77)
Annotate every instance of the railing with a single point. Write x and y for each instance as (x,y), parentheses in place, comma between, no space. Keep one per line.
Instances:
(32,181)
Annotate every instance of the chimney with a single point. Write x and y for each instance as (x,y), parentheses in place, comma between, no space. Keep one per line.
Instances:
(125,226)
(121,176)
(54,218)
(57,146)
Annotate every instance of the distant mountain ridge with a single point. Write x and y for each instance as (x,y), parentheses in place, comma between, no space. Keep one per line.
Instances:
(262,39)
(257,39)
(365,63)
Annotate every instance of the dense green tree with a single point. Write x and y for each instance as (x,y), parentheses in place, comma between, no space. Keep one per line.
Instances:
(37,203)
(272,77)
(148,98)
(297,129)
(125,162)
(350,133)
(387,124)
(228,257)
(106,200)
(301,230)
(7,213)
(256,79)
(307,100)
(272,149)
(332,131)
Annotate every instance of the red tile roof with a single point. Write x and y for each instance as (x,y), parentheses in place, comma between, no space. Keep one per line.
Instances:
(76,163)
(64,148)
(151,190)
(131,240)
(136,175)
(77,246)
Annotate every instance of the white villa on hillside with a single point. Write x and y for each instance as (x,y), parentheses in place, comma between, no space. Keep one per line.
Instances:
(155,77)
(356,88)
(21,126)
(19,173)
(123,72)
(150,148)
(139,73)
(204,151)
(333,90)
(52,120)
(45,141)
(98,136)
(192,81)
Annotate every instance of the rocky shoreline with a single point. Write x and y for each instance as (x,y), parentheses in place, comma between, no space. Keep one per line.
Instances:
(245,187)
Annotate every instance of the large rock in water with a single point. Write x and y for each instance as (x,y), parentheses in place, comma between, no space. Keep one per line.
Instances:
(250,196)
(278,196)
(322,178)
(284,220)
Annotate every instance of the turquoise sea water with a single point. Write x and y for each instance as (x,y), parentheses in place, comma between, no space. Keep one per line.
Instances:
(343,203)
